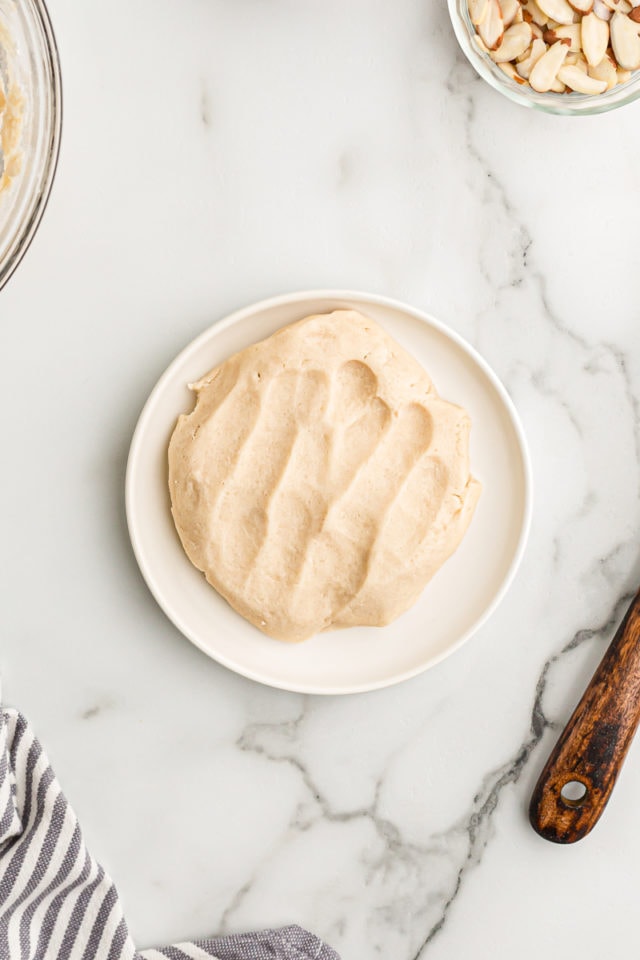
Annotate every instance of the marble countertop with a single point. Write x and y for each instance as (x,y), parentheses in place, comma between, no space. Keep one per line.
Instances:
(215,153)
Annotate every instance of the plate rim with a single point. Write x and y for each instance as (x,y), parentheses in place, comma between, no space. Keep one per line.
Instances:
(362,298)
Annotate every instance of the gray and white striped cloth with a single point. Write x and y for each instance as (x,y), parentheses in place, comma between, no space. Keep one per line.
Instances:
(57,903)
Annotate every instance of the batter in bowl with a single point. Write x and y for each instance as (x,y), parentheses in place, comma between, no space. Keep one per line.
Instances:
(11,111)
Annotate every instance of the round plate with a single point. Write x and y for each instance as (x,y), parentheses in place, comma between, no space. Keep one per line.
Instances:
(455,603)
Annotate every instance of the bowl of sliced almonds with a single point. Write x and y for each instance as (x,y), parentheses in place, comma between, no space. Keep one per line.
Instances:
(560,56)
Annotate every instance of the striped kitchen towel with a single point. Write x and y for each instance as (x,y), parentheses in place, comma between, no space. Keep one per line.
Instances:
(57,903)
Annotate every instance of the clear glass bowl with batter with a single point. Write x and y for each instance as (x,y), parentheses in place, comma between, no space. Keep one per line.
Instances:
(30,74)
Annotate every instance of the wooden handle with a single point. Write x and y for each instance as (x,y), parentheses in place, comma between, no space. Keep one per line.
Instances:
(591,750)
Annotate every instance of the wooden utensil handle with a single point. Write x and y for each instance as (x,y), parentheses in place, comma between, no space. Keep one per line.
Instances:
(593,745)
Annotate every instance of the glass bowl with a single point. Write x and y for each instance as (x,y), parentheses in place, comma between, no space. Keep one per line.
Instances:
(567,104)
(34,63)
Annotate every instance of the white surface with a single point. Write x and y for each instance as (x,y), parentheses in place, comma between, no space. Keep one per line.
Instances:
(215,153)
(348,661)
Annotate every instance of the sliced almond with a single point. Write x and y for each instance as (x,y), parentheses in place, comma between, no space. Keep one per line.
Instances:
(623,75)
(595,38)
(558,10)
(538,49)
(601,10)
(492,28)
(579,81)
(510,71)
(582,64)
(621,6)
(606,71)
(558,86)
(515,41)
(477,11)
(519,17)
(531,7)
(480,44)
(635,15)
(625,41)
(582,6)
(536,31)
(509,9)
(546,69)
(571,33)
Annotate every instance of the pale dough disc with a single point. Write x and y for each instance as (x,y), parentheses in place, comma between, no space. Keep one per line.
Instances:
(320,481)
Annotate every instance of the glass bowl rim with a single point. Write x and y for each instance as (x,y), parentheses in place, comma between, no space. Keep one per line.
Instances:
(28,228)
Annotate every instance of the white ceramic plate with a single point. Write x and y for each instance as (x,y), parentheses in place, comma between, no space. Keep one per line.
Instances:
(456,602)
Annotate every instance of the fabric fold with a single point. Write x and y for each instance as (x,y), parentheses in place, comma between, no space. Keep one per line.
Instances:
(10,825)
(56,901)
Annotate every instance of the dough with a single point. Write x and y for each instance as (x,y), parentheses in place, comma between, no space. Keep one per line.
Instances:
(320,480)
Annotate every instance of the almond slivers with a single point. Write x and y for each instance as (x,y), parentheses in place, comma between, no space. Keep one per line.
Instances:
(559,10)
(544,73)
(491,29)
(514,43)
(594,38)
(573,46)
(579,81)
(625,41)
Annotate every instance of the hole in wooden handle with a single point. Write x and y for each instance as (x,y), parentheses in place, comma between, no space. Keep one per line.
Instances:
(574,793)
